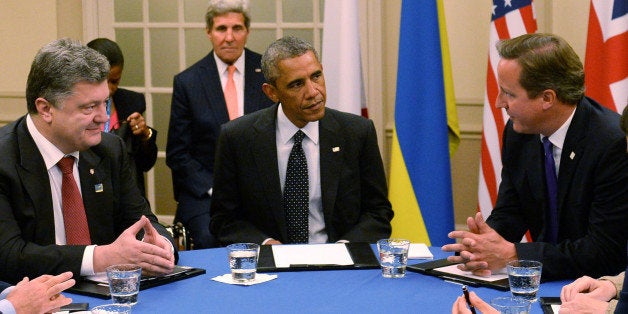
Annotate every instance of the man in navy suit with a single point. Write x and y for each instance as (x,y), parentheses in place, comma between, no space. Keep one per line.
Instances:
(40,295)
(346,198)
(199,109)
(541,82)
(90,216)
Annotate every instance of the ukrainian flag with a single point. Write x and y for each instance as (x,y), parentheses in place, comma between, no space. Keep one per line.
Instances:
(426,130)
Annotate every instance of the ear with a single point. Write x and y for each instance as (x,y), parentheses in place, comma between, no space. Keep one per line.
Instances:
(44,109)
(549,98)
(271,92)
(209,33)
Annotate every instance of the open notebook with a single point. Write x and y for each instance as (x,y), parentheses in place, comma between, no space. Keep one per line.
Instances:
(100,289)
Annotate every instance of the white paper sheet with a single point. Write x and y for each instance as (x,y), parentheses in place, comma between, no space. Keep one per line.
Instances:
(311,254)
(452,269)
(419,251)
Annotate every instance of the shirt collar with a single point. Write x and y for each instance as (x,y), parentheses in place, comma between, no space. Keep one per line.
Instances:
(558,138)
(287,128)
(49,151)
(222,66)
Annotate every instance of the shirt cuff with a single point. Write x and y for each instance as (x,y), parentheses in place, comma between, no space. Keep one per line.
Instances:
(6,307)
(6,291)
(87,266)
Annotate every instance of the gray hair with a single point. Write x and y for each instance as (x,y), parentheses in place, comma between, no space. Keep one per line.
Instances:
(58,66)
(220,7)
(284,48)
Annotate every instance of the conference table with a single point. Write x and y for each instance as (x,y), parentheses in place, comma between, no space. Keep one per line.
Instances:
(323,291)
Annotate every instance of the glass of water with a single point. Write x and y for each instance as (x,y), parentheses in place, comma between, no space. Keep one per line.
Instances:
(524,277)
(393,257)
(124,282)
(243,261)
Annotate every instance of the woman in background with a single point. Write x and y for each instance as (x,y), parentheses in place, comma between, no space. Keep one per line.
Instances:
(125,110)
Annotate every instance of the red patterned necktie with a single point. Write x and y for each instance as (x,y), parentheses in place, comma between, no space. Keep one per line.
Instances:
(74,218)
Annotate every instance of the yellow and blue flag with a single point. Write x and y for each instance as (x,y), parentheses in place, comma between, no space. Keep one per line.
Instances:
(426,130)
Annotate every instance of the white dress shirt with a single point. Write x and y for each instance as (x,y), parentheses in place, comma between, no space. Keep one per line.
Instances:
(52,155)
(285,130)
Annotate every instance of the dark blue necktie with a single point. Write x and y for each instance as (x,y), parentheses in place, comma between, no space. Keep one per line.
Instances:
(552,192)
(296,193)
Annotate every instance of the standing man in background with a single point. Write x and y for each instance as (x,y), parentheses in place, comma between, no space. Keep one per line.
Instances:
(222,86)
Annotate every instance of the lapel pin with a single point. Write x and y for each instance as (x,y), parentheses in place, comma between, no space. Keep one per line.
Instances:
(98,188)
(91,171)
(572,155)
(335,149)
(258,70)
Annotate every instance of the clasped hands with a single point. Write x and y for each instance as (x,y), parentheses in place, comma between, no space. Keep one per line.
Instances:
(153,253)
(482,250)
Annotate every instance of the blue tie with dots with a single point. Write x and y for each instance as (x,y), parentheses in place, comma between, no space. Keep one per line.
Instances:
(552,192)
(295,193)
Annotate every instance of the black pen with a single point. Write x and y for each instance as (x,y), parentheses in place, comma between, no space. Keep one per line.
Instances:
(466,297)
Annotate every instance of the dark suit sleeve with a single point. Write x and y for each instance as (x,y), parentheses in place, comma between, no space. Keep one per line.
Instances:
(375,209)
(196,178)
(230,219)
(144,152)
(594,217)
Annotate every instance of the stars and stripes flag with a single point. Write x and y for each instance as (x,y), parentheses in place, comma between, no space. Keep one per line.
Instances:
(606,60)
(510,19)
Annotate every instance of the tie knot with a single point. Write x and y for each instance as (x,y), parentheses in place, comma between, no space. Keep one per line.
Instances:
(298,137)
(231,69)
(66,164)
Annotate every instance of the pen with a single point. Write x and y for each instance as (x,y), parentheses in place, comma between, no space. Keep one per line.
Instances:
(466,297)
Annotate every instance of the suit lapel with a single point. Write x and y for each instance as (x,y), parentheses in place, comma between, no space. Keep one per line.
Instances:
(212,88)
(572,152)
(533,153)
(264,151)
(331,156)
(252,85)
(32,172)
(97,192)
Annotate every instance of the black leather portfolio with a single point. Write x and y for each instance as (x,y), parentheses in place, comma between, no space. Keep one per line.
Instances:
(361,253)
(101,290)
(431,268)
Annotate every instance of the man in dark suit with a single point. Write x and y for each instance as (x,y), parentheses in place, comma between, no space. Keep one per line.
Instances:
(199,108)
(40,295)
(541,84)
(345,197)
(46,225)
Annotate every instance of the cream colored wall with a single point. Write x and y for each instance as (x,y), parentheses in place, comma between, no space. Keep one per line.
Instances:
(26,25)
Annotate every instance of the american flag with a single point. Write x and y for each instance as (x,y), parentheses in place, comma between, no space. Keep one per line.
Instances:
(606,61)
(510,19)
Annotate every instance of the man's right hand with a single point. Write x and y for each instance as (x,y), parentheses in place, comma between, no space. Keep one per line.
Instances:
(602,290)
(126,249)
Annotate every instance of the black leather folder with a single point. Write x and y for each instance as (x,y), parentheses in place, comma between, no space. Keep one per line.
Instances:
(361,253)
(101,290)
(430,268)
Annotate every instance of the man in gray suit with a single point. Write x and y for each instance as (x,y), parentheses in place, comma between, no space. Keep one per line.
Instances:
(345,194)
(199,109)
(88,216)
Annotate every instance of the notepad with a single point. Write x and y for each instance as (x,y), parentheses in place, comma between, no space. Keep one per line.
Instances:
(419,251)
